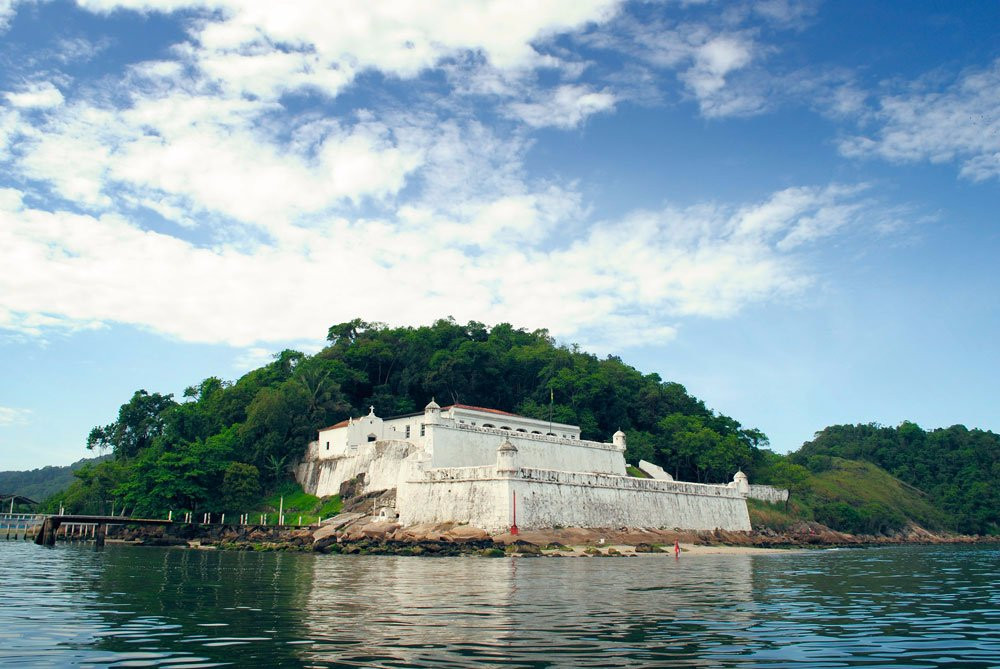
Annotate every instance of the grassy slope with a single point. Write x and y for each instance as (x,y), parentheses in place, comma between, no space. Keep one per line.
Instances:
(855,483)
(636,472)
(296,503)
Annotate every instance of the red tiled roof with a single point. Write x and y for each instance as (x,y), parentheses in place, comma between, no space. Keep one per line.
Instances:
(342,423)
(469,406)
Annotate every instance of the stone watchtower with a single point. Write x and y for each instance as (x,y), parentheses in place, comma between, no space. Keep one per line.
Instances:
(507,458)
(618,439)
(432,413)
(741,483)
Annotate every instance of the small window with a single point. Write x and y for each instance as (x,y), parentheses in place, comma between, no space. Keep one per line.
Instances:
(521,429)
(371,438)
(407,431)
(422,430)
(535,432)
(505,427)
(551,434)
(328,445)
(487,424)
(462,422)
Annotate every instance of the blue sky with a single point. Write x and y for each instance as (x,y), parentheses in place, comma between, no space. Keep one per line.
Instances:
(789,207)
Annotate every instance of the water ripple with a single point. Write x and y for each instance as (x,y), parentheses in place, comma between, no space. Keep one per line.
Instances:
(125,606)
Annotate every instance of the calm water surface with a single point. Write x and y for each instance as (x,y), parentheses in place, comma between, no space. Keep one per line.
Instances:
(130,606)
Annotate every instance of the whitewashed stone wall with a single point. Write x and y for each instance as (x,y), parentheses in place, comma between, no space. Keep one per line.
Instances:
(385,465)
(768,493)
(547,498)
(456,445)
(473,495)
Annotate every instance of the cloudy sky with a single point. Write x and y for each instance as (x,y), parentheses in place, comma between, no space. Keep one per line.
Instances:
(789,207)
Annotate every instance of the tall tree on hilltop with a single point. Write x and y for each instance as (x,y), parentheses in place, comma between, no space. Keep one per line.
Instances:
(140,420)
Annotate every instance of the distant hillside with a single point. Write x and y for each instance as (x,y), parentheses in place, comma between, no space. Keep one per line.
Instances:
(852,496)
(958,468)
(39,484)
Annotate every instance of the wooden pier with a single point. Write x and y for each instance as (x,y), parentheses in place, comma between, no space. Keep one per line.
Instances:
(98,526)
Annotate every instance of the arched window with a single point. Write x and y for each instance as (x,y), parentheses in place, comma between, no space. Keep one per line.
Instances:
(550,434)
(535,432)
(505,427)
(487,424)
(521,429)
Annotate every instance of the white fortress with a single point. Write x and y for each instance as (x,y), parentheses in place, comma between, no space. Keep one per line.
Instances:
(483,467)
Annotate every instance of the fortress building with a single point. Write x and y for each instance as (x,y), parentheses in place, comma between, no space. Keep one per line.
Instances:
(482,466)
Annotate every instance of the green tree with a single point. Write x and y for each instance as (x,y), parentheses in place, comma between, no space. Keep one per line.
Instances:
(140,420)
(240,485)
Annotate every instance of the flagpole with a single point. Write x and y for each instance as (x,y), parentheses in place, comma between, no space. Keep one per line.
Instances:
(551,398)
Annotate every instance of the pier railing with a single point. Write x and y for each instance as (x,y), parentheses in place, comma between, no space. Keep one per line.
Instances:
(20,525)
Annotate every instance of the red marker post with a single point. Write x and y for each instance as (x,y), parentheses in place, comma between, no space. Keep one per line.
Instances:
(677,549)
(513,528)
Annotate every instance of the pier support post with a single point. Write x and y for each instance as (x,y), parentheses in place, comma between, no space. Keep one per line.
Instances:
(47,533)
(99,535)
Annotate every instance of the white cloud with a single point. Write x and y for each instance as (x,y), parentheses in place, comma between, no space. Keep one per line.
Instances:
(959,123)
(632,275)
(209,132)
(402,210)
(13,416)
(394,36)
(705,56)
(9,122)
(252,358)
(795,13)
(714,60)
(565,107)
(41,95)
(7,12)
(211,155)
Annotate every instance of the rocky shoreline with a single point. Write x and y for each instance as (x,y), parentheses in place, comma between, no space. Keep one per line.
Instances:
(354,533)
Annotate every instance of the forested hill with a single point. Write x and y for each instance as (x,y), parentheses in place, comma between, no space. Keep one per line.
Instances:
(958,468)
(37,484)
(222,442)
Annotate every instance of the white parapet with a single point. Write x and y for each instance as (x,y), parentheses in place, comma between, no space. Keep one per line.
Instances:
(768,493)
(484,497)
(656,471)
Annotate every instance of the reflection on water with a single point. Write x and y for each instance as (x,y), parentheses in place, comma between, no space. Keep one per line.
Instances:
(591,611)
(920,606)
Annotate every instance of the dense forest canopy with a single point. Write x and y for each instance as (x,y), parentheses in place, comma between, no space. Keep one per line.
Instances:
(958,468)
(220,444)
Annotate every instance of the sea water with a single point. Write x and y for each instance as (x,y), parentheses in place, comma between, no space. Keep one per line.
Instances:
(911,606)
